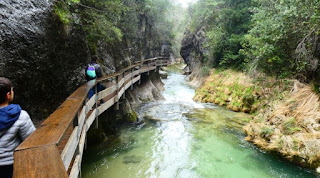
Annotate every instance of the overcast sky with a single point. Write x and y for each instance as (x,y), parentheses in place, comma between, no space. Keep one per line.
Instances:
(185,3)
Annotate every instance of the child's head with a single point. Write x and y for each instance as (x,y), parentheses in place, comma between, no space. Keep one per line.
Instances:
(6,90)
(94,58)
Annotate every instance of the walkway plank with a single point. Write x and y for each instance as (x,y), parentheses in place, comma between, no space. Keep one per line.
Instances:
(107,92)
(70,148)
(76,168)
(105,106)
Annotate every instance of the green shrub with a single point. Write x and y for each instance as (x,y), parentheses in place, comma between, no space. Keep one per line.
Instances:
(266,132)
(248,100)
(315,87)
(205,70)
(290,126)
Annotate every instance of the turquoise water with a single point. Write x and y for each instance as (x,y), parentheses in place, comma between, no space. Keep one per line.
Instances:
(181,138)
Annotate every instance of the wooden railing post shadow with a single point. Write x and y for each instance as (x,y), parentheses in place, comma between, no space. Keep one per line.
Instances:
(117,96)
(140,77)
(123,77)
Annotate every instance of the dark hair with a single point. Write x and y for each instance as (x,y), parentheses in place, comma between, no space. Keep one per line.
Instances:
(5,87)
(94,58)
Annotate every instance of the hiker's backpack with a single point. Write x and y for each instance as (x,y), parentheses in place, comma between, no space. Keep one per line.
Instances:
(91,71)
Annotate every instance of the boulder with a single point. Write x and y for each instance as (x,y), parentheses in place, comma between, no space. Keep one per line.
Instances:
(163,74)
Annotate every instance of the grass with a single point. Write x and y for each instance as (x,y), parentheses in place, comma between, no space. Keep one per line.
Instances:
(293,109)
(280,143)
(231,89)
(296,145)
(266,132)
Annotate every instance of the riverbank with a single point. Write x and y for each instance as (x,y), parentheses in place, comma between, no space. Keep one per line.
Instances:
(286,112)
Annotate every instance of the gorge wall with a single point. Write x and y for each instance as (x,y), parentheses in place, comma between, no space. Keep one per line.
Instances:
(192,52)
(44,61)
(192,49)
(45,58)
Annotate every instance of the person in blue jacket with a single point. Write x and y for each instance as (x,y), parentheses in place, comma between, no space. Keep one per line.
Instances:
(15,127)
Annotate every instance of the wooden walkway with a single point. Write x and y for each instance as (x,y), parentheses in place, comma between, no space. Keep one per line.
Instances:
(55,149)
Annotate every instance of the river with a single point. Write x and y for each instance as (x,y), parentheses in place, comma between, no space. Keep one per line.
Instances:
(182,138)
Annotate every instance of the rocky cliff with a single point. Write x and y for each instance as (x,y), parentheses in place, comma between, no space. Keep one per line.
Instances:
(192,52)
(192,49)
(45,58)
(41,57)
(145,45)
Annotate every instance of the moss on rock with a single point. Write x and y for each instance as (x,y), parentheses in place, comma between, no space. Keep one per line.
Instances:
(131,117)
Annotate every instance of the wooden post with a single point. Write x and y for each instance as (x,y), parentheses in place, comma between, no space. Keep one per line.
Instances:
(117,96)
(97,111)
(124,81)
(148,68)
(132,70)
(84,124)
(140,75)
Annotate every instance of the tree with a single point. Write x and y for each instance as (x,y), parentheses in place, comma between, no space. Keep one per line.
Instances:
(278,28)
(226,21)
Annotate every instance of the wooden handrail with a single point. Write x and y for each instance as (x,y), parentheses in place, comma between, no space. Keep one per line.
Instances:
(58,142)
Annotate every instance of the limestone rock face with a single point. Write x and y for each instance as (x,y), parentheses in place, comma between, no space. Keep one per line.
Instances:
(192,48)
(43,59)
(148,90)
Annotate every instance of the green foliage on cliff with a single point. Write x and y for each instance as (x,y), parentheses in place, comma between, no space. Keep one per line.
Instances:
(276,37)
(100,20)
(157,10)
(226,21)
(61,9)
(177,16)
(113,21)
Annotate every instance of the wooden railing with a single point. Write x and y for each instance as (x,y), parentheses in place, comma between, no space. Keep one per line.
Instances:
(55,149)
